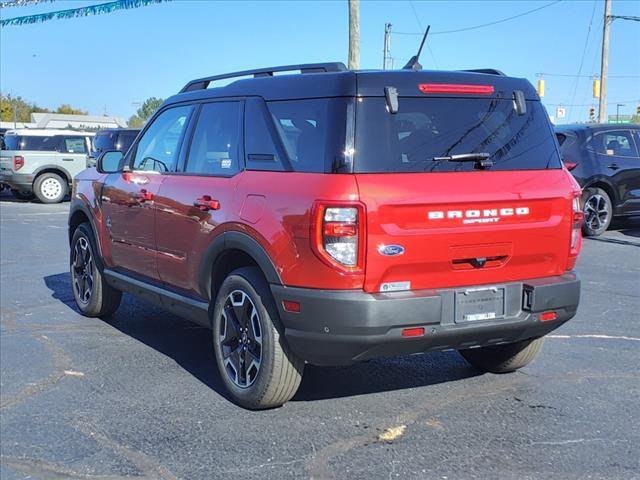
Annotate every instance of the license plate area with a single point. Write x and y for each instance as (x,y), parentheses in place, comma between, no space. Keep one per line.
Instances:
(479,304)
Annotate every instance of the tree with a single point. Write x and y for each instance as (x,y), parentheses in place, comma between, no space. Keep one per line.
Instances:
(23,109)
(145,111)
(67,109)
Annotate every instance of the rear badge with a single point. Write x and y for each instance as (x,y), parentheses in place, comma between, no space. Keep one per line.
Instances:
(390,250)
(395,286)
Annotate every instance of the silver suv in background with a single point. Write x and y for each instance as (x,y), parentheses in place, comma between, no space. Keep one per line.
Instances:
(43,162)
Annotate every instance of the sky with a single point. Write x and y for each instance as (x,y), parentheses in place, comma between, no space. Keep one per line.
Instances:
(109,63)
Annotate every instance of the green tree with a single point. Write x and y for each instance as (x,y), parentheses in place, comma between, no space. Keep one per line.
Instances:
(23,109)
(145,111)
(67,109)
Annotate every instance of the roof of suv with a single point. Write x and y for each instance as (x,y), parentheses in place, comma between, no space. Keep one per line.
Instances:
(334,80)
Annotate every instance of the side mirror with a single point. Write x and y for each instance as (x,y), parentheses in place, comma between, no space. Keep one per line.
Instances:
(110,161)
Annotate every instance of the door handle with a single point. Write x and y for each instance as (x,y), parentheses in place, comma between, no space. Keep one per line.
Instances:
(143,196)
(67,159)
(613,166)
(206,203)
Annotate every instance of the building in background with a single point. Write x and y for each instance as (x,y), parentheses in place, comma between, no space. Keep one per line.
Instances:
(59,120)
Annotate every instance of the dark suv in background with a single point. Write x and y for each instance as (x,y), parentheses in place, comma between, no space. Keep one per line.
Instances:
(604,160)
(119,139)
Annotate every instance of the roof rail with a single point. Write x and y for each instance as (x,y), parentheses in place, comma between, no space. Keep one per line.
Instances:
(203,83)
(488,71)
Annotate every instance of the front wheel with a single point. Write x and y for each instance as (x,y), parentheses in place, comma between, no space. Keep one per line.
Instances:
(257,367)
(50,188)
(22,194)
(503,358)
(94,297)
(598,212)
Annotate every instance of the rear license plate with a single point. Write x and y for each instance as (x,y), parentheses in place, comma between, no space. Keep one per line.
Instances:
(479,304)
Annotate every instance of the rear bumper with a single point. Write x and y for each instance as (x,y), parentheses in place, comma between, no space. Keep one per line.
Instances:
(342,326)
(17,181)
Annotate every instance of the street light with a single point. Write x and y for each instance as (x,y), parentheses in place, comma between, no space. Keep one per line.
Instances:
(618,105)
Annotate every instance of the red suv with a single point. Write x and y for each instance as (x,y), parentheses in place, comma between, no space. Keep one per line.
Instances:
(333,216)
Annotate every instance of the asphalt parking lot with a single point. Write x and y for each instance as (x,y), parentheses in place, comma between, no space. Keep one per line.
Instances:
(137,396)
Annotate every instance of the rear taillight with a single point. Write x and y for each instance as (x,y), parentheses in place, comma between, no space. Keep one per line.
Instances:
(338,235)
(576,229)
(18,162)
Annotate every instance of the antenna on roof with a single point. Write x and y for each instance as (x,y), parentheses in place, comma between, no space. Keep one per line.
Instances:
(413,64)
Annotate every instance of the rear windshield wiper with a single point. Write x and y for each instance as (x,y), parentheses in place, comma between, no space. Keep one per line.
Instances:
(482,159)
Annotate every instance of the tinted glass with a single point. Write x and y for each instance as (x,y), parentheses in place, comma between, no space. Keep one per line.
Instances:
(158,148)
(614,142)
(312,131)
(125,139)
(74,145)
(104,141)
(437,127)
(214,149)
(15,142)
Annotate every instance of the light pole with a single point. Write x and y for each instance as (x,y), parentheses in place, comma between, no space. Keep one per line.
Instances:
(618,105)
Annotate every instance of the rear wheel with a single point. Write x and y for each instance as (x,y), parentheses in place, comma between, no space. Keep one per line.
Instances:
(598,211)
(256,366)
(22,194)
(503,358)
(94,297)
(50,188)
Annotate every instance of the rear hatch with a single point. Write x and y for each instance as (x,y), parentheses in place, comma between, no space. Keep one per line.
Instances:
(435,221)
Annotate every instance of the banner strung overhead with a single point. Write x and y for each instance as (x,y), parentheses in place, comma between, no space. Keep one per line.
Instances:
(75,12)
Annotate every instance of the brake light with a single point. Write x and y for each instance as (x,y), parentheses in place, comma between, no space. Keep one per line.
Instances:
(576,231)
(455,88)
(338,236)
(18,162)
(548,316)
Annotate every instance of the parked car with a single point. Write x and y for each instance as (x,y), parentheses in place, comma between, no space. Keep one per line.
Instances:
(111,139)
(42,162)
(604,160)
(336,216)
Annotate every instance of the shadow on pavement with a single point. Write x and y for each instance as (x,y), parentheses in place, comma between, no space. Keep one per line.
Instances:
(191,347)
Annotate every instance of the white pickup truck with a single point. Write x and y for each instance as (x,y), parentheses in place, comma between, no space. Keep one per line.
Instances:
(43,162)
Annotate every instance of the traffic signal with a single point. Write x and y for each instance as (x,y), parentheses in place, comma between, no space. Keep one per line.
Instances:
(592,113)
(596,88)
(541,87)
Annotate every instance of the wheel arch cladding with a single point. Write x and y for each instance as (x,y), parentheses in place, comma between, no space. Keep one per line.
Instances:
(52,169)
(607,187)
(77,216)
(227,252)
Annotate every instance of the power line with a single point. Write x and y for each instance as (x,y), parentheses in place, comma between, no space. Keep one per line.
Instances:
(589,104)
(582,76)
(484,24)
(584,51)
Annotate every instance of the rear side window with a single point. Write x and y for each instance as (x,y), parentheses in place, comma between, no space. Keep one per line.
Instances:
(74,145)
(312,132)
(426,128)
(214,149)
(104,141)
(33,143)
(615,142)
(125,139)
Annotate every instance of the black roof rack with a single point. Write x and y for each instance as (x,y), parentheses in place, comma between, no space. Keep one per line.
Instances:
(488,71)
(203,83)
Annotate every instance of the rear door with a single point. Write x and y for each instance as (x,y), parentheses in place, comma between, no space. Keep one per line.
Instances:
(73,154)
(434,223)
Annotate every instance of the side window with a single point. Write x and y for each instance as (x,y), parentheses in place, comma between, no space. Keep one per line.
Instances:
(614,142)
(157,150)
(215,145)
(74,145)
(261,152)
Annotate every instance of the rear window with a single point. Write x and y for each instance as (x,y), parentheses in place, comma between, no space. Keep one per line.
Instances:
(104,141)
(424,128)
(37,143)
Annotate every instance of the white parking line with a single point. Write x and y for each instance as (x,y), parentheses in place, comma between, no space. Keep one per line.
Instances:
(606,337)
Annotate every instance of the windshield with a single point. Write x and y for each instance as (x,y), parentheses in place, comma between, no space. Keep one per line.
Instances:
(424,130)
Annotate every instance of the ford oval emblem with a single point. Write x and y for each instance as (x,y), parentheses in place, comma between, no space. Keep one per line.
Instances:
(390,250)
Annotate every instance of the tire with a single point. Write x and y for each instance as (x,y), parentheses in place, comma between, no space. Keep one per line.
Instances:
(246,330)
(50,188)
(93,296)
(22,194)
(503,358)
(598,211)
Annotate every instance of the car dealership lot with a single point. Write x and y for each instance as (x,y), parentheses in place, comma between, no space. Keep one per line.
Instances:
(137,395)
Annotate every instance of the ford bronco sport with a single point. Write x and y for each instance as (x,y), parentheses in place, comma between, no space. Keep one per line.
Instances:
(334,216)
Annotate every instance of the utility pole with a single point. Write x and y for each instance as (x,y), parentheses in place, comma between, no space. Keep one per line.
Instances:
(604,66)
(387,45)
(354,34)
